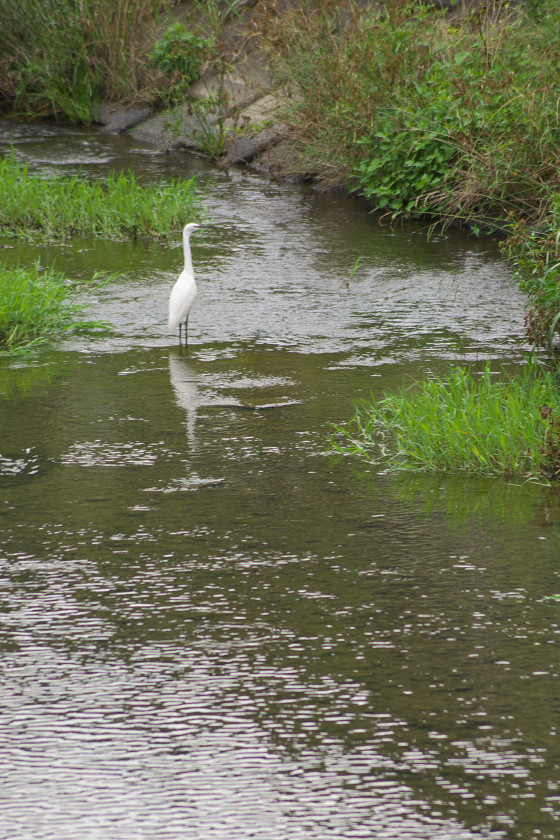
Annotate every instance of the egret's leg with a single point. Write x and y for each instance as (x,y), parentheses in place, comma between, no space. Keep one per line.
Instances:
(186,330)
(180,328)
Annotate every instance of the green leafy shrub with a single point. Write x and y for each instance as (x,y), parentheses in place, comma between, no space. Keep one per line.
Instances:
(535,253)
(180,51)
(426,113)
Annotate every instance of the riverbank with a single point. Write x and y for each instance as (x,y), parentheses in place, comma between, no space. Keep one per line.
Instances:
(236,113)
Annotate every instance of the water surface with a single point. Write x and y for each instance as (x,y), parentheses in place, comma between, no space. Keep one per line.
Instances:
(210,627)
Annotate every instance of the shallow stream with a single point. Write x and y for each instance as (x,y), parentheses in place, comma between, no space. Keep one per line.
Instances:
(212,629)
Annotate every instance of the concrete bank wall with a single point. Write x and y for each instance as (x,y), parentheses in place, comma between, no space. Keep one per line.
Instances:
(249,127)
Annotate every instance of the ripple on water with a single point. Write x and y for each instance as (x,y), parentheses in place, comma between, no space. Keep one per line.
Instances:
(167,741)
(286,652)
(98,453)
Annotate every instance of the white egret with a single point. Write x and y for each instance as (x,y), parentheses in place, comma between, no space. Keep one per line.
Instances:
(183,292)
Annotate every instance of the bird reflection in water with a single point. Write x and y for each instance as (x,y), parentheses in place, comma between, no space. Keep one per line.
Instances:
(187,395)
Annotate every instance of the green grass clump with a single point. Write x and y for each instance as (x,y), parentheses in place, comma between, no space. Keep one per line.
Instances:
(480,425)
(59,57)
(37,306)
(119,207)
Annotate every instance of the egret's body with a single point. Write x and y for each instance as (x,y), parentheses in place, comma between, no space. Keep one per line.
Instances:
(183,292)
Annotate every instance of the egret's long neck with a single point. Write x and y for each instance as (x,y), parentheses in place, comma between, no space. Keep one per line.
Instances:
(187,249)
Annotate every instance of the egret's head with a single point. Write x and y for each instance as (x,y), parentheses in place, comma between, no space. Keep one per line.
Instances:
(191,227)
